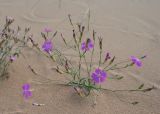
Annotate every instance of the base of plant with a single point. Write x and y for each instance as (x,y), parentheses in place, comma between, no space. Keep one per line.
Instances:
(4,76)
(83,89)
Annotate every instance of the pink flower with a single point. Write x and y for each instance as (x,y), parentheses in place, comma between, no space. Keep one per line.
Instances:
(47,29)
(87,45)
(26,91)
(47,46)
(99,76)
(12,58)
(136,61)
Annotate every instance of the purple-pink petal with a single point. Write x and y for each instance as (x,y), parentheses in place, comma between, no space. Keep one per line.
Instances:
(27,94)
(99,76)
(26,91)
(90,45)
(139,63)
(86,46)
(83,46)
(26,87)
(95,79)
(47,46)
(12,58)
(103,74)
(47,29)
(97,71)
(136,61)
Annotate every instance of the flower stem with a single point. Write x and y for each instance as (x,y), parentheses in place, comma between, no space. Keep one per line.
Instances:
(87,66)
(92,57)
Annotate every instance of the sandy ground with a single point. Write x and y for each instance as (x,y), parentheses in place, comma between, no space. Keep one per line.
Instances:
(129,27)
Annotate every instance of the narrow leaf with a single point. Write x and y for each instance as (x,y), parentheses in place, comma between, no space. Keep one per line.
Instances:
(135,103)
(112,60)
(141,86)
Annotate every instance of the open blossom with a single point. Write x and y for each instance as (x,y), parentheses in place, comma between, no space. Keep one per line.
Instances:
(136,61)
(47,29)
(86,46)
(99,76)
(26,91)
(12,58)
(47,46)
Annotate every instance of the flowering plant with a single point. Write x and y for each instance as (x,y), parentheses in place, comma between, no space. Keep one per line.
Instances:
(85,76)
(11,43)
(84,81)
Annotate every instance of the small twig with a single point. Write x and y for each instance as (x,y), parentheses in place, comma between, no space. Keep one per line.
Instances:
(33,71)
(37,104)
(70,20)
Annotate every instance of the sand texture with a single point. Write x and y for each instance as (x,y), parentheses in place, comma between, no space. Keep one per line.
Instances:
(129,27)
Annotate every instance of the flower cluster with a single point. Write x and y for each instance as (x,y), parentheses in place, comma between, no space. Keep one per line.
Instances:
(87,45)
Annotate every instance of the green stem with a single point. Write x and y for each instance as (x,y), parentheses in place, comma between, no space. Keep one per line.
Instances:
(122,62)
(80,58)
(92,58)
(100,58)
(99,88)
(86,66)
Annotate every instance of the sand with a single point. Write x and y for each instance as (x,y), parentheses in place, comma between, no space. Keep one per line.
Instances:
(129,27)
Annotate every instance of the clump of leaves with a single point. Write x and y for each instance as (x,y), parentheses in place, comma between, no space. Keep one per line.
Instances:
(11,43)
